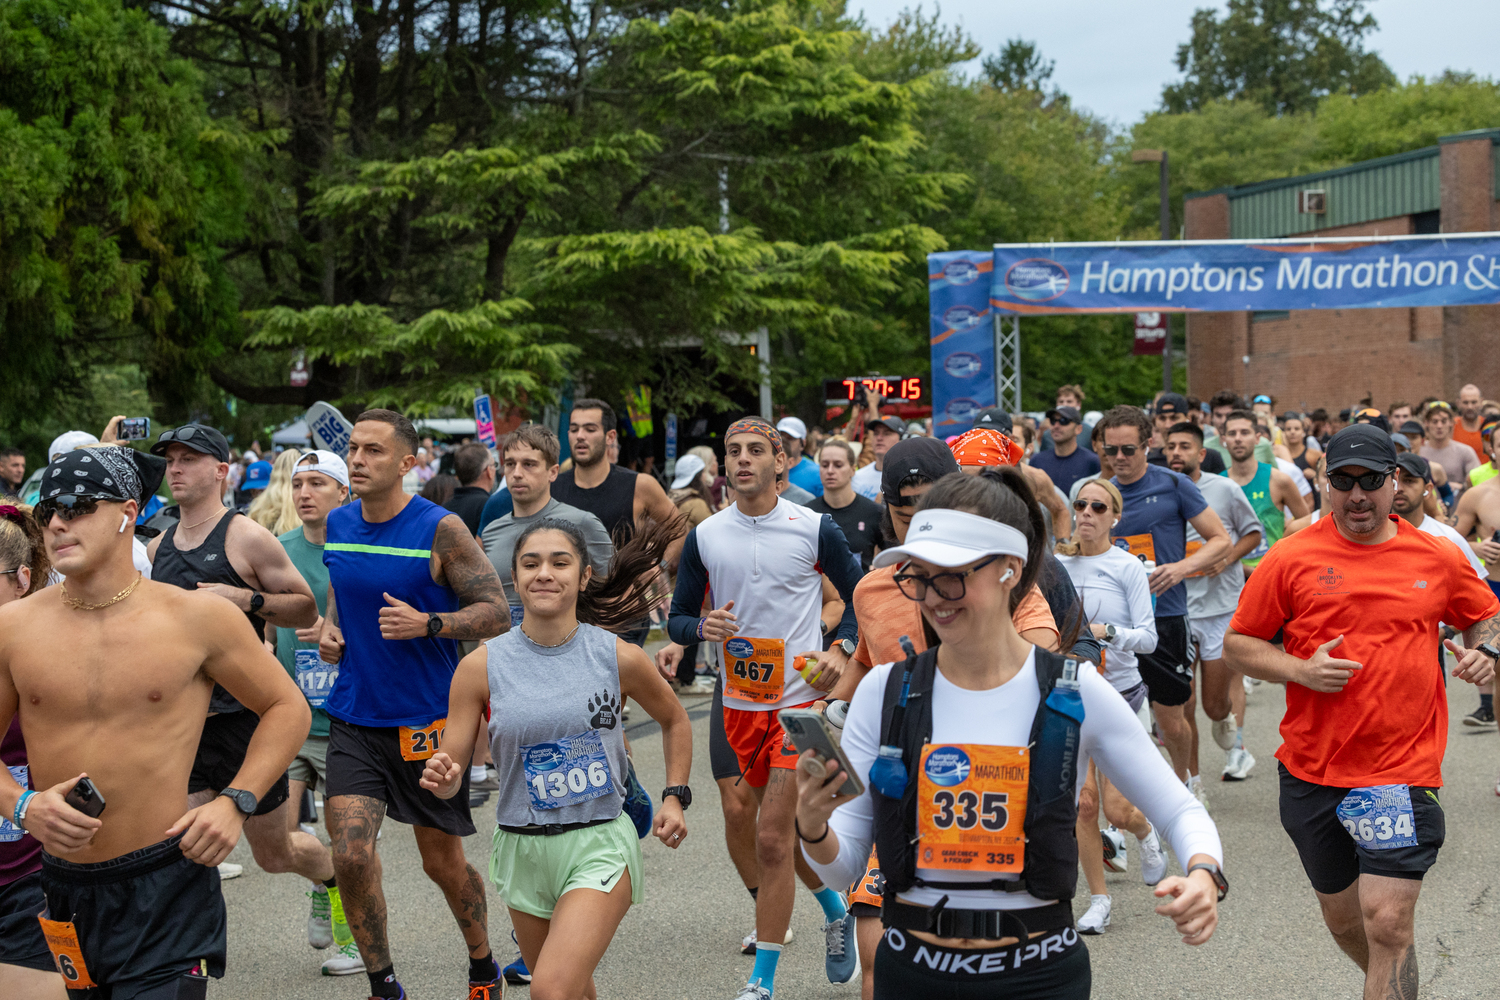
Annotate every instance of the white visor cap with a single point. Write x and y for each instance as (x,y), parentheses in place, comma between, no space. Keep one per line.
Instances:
(954,538)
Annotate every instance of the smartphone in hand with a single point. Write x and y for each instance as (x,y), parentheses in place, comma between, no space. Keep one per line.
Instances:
(808,730)
(134,429)
(86,798)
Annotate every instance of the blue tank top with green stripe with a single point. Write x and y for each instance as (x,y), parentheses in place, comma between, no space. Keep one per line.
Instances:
(388,682)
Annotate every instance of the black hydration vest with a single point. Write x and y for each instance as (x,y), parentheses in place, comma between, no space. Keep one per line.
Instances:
(1050,870)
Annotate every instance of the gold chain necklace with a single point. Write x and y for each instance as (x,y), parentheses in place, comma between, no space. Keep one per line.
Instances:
(79,605)
(188,527)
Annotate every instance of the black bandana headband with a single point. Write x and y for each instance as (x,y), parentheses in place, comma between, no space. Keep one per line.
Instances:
(109,473)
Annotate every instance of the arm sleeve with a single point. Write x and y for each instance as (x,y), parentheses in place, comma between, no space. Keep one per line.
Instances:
(1140,635)
(839,565)
(854,822)
(1114,738)
(601,546)
(687,598)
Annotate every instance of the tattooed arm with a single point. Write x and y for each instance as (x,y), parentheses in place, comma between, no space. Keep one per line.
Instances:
(1474,666)
(462,565)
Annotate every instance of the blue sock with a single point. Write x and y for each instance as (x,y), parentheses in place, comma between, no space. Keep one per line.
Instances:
(1239,737)
(766,957)
(831,902)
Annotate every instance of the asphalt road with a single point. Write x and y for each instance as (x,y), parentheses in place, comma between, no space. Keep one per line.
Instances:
(683,941)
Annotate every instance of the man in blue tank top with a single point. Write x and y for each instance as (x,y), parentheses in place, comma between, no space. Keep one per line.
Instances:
(406,581)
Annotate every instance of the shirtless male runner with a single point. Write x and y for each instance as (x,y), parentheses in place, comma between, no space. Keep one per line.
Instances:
(406,579)
(215,550)
(134,892)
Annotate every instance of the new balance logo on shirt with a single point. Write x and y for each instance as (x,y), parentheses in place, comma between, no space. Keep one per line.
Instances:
(1420,585)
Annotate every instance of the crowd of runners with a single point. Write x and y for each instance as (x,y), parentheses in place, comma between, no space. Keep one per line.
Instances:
(1004,636)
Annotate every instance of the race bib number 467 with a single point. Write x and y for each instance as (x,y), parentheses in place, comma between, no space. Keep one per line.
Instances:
(971,808)
(753,668)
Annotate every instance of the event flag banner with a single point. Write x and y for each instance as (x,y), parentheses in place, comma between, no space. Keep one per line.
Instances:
(963,338)
(484,421)
(1238,275)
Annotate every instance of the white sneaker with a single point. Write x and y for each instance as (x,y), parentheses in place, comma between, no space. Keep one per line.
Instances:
(346,963)
(229,870)
(1115,859)
(1223,731)
(1237,766)
(701,685)
(1195,786)
(1153,859)
(747,943)
(753,990)
(320,919)
(1097,918)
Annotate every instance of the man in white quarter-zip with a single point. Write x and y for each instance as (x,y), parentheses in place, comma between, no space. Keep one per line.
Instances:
(760,562)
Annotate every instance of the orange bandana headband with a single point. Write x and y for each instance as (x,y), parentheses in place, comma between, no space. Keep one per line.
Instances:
(755,425)
(987,446)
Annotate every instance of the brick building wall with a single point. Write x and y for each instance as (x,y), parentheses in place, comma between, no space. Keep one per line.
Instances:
(1333,357)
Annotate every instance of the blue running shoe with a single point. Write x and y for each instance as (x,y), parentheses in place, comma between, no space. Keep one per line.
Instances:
(516,972)
(842,949)
(637,802)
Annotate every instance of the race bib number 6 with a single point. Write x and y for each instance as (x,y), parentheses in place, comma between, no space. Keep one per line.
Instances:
(753,668)
(421,743)
(971,807)
(1379,818)
(62,941)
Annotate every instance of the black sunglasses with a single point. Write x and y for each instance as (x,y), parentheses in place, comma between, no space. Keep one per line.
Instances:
(1369,482)
(68,507)
(950,582)
(1097,506)
(186,433)
(1111,450)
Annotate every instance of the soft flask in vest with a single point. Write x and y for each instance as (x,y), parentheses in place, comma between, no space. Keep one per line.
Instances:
(1057,748)
(888,772)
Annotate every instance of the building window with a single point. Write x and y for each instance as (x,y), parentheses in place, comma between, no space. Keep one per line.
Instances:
(1268,315)
(1427,223)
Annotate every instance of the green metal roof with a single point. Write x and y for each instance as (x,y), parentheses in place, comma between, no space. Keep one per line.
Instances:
(1396,185)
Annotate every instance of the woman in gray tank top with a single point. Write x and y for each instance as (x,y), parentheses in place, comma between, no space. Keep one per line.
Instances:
(565,854)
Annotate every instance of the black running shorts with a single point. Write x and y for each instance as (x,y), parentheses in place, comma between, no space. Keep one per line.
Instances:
(722,759)
(366,761)
(221,754)
(21,941)
(1331,856)
(150,923)
(1168,672)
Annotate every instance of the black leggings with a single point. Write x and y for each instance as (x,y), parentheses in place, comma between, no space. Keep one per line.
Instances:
(1051,967)
(687,667)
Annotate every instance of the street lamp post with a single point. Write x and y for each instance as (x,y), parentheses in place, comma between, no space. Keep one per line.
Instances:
(1159,156)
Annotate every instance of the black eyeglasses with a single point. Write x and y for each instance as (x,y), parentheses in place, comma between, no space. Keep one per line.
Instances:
(1369,482)
(943,583)
(1098,507)
(1129,450)
(68,507)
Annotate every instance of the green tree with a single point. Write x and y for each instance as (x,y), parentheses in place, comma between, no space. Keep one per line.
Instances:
(1285,55)
(1405,117)
(1018,66)
(115,193)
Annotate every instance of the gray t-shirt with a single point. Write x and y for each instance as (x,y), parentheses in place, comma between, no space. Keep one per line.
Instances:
(555,729)
(1210,596)
(500,536)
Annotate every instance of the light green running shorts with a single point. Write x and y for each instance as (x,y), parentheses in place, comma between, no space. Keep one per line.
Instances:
(533,872)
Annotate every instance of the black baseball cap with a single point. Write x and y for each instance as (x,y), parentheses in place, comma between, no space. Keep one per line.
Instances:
(1411,428)
(889,423)
(1065,414)
(1416,465)
(1172,403)
(199,437)
(1363,445)
(919,456)
(994,416)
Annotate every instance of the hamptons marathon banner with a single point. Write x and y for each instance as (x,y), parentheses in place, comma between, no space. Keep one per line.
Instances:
(1240,275)
(963,338)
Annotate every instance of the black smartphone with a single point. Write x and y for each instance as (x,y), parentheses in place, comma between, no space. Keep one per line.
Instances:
(134,429)
(86,798)
(1495,538)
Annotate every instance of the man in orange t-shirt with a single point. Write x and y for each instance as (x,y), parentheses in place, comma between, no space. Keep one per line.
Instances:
(1364,736)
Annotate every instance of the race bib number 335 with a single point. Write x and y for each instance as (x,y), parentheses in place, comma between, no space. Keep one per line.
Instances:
(971,808)
(753,668)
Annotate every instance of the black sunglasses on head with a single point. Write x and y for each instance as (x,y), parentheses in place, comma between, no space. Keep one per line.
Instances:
(1111,450)
(1097,506)
(1369,482)
(68,507)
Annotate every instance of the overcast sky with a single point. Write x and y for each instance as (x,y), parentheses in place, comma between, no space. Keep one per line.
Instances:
(1113,56)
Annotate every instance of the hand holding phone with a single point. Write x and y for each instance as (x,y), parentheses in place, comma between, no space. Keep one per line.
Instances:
(808,730)
(86,798)
(134,429)
(53,817)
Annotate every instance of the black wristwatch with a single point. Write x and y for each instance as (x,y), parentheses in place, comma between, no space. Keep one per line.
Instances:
(1218,876)
(1489,650)
(257,601)
(434,626)
(244,801)
(683,792)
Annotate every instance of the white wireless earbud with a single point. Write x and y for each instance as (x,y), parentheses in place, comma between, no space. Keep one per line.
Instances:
(124,521)
(1008,574)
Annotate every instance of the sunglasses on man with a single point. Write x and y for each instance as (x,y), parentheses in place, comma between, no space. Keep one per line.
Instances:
(68,507)
(1128,450)
(1369,482)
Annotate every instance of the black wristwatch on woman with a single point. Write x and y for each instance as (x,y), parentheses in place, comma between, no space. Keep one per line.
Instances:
(683,792)
(1216,873)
